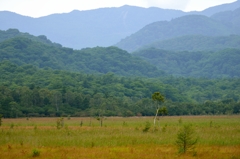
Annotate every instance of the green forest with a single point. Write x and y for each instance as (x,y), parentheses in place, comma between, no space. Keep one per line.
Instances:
(207,64)
(195,43)
(41,78)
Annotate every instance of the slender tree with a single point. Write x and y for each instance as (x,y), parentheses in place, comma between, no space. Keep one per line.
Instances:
(157,97)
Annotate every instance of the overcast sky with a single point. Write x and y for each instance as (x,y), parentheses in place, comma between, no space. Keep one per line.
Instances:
(38,8)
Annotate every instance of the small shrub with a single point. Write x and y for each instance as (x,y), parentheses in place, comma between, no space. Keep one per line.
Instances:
(60,123)
(164,128)
(12,125)
(125,123)
(147,127)
(92,144)
(211,123)
(21,143)
(35,153)
(186,139)
(180,120)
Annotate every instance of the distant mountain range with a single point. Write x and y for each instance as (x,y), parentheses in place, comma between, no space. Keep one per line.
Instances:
(21,49)
(221,61)
(197,43)
(220,24)
(99,27)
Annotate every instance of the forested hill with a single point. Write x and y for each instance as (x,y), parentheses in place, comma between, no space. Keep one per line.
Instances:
(27,91)
(222,24)
(97,27)
(208,64)
(12,33)
(229,19)
(21,50)
(197,43)
(91,28)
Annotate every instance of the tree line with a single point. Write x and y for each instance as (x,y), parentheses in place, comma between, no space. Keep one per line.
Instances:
(29,91)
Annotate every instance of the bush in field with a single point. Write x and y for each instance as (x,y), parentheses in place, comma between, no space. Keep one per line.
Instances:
(60,123)
(147,127)
(186,139)
(35,153)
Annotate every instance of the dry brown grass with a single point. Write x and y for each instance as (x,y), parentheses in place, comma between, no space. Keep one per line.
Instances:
(219,137)
(128,152)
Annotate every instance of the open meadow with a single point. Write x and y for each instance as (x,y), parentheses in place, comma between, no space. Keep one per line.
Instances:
(128,138)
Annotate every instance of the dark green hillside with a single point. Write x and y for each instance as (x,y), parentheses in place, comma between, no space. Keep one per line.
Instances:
(163,30)
(197,43)
(12,33)
(91,60)
(218,64)
(29,91)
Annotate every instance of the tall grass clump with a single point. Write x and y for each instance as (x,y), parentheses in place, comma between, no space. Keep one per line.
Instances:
(147,127)
(60,123)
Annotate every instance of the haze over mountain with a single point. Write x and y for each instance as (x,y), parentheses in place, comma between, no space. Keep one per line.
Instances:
(196,43)
(99,27)
(220,24)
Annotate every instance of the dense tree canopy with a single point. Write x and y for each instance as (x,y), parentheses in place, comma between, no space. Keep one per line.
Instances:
(207,64)
(90,60)
(39,78)
(29,91)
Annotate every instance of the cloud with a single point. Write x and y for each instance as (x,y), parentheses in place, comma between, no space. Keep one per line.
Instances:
(37,8)
(203,4)
(169,4)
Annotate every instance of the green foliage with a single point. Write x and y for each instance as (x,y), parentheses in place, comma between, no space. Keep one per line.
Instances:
(201,64)
(98,60)
(27,91)
(163,111)
(35,153)
(12,125)
(147,126)
(194,43)
(157,96)
(180,120)
(60,123)
(186,139)
(12,33)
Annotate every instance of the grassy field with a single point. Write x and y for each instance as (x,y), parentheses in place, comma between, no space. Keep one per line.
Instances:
(218,137)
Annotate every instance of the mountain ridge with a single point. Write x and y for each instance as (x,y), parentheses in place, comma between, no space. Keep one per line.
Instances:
(182,26)
(99,27)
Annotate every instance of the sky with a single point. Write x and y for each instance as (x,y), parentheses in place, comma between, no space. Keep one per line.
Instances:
(39,8)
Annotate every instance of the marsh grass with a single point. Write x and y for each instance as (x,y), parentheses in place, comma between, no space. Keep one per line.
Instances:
(118,138)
